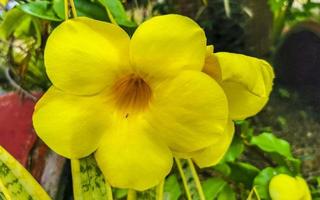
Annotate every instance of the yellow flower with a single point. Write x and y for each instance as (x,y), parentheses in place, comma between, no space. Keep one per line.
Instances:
(247,83)
(131,101)
(3,2)
(285,187)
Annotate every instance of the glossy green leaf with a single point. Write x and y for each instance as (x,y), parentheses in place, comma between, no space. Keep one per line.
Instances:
(118,12)
(243,173)
(235,150)
(91,9)
(88,180)
(172,190)
(212,187)
(12,20)
(223,168)
(227,194)
(270,143)
(41,9)
(16,183)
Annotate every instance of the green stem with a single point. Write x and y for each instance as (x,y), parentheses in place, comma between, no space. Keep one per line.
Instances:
(196,179)
(279,21)
(184,179)
(159,191)
(66,10)
(132,195)
(73,8)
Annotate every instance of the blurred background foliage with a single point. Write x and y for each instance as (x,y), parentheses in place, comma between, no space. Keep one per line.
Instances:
(285,32)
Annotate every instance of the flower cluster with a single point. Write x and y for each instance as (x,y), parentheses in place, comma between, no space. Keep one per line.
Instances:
(138,102)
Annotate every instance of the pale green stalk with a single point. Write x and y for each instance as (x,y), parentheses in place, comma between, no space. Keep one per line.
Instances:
(184,179)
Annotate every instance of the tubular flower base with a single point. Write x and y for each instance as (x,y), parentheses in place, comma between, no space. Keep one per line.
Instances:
(131,102)
(284,187)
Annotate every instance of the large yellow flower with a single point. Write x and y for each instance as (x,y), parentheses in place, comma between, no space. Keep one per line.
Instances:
(247,83)
(285,187)
(131,101)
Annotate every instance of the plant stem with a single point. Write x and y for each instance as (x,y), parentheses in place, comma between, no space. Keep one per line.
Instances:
(196,179)
(159,191)
(66,10)
(132,195)
(73,8)
(184,179)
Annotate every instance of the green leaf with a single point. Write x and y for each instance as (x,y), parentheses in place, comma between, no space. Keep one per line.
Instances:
(223,168)
(88,181)
(235,150)
(212,187)
(41,9)
(12,20)
(91,9)
(16,182)
(172,190)
(227,194)
(244,173)
(261,181)
(118,12)
(270,143)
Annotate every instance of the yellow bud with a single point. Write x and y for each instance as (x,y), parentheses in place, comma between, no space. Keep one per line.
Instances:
(285,187)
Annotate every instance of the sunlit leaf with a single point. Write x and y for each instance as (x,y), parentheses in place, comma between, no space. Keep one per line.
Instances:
(227,194)
(41,9)
(88,180)
(212,187)
(270,143)
(16,182)
(172,190)
(118,12)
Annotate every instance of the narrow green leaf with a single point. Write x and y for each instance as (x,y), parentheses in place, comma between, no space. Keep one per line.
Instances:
(172,190)
(212,187)
(88,180)
(41,9)
(16,182)
(270,143)
(118,12)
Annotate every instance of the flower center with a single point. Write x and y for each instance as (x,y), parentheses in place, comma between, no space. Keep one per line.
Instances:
(132,94)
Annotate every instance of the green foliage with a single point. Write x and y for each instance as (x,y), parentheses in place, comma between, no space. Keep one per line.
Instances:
(41,9)
(271,144)
(172,188)
(252,158)
(16,182)
(213,186)
(118,12)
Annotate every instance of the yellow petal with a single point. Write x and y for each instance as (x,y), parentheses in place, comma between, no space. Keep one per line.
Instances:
(213,154)
(285,187)
(165,45)
(70,125)
(131,157)
(302,184)
(83,55)
(247,82)
(211,65)
(189,112)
